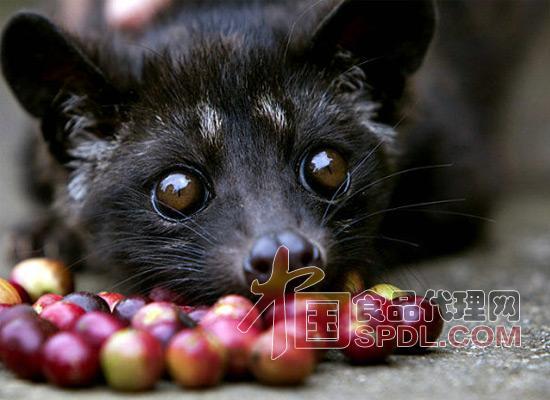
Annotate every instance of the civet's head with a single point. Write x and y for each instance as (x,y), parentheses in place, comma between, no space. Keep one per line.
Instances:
(191,163)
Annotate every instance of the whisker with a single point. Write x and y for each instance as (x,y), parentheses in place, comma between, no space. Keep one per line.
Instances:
(371,184)
(383,237)
(426,203)
(460,214)
(363,160)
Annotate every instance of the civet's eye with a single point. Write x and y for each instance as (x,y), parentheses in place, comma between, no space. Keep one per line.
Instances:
(325,172)
(180,194)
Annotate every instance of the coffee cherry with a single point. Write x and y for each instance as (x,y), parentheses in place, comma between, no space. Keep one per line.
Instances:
(293,307)
(239,302)
(297,332)
(387,291)
(290,368)
(300,337)
(128,307)
(372,309)
(371,330)
(160,319)
(8,294)
(423,319)
(25,298)
(88,301)
(236,343)
(366,346)
(39,276)
(21,342)
(13,312)
(164,331)
(96,327)
(296,309)
(132,360)
(195,359)
(111,298)
(69,361)
(354,283)
(16,311)
(197,313)
(231,307)
(63,315)
(44,301)
(162,294)
(154,313)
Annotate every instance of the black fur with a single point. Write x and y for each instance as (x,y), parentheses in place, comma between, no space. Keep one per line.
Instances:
(117,112)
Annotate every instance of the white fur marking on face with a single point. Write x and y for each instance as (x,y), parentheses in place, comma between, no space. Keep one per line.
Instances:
(210,122)
(268,108)
(77,187)
(91,158)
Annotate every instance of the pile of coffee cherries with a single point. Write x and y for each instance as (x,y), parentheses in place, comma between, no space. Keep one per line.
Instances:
(75,339)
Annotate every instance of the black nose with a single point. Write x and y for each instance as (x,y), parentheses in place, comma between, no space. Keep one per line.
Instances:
(302,253)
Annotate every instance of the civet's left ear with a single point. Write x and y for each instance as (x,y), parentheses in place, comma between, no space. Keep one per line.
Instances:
(387,38)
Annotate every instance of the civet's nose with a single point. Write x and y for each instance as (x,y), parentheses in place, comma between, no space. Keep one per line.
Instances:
(302,253)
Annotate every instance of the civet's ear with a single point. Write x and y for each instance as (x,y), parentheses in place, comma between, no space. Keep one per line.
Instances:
(46,71)
(388,39)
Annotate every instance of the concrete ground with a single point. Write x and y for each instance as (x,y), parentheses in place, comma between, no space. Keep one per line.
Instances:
(517,256)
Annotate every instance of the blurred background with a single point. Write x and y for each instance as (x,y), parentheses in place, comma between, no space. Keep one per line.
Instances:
(517,255)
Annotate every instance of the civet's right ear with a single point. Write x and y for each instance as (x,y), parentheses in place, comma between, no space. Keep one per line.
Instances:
(44,68)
